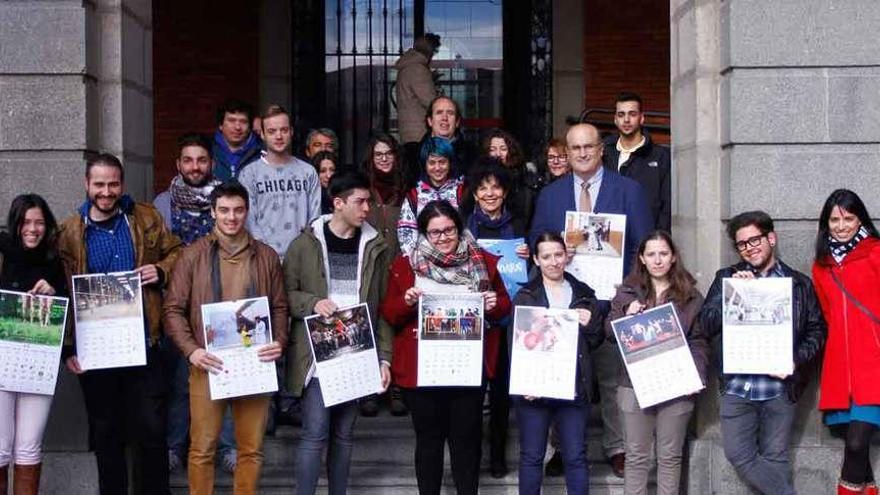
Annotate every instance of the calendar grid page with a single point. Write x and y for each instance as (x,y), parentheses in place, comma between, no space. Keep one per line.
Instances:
(344,352)
(31,336)
(543,361)
(235,331)
(109,315)
(450,350)
(656,355)
(756,336)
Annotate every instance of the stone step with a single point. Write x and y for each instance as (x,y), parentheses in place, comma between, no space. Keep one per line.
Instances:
(383,479)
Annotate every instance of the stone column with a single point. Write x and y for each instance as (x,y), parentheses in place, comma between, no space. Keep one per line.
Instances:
(275,54)
(774,106)
(568,62)
(75,77)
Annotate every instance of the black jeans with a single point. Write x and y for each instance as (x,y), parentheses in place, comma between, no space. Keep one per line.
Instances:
(128,405)
(441,414)
(499,404)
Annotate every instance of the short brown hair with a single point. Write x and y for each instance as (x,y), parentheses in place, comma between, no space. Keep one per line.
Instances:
(274,110)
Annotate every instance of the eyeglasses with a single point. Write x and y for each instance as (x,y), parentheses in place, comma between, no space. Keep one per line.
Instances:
(557,158)
(753,241)
(436,234)
(383,155)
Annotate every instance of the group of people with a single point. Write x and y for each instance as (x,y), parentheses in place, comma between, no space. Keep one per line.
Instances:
(244,218)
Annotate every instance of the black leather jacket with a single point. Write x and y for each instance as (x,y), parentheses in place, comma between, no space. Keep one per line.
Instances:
(807,321)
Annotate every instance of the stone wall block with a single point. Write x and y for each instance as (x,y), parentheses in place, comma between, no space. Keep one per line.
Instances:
(854,104)
(132,50)
(42,112)
(802,33)
(43,40)
(137,130)
(57,176)
(777,106)
(109,46)
(793,181)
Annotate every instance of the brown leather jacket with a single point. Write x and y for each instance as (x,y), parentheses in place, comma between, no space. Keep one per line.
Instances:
(154,244)
(190,287)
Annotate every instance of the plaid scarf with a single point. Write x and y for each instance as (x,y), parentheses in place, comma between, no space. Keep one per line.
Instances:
(191,209)
(839,250)
(465,266)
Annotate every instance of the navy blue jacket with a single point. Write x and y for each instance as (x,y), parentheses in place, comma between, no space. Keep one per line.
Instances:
(617,194)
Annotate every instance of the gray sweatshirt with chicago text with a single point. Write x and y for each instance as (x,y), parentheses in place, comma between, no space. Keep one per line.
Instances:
(283,200)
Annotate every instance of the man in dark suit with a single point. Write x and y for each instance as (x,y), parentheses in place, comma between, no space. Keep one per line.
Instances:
(608,192)
(590,187)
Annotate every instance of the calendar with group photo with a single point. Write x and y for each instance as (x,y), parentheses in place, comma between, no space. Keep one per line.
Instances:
(656,355)
(450,339)
(31,335)
(598,243)
(234,332)
(543,361)
(344,351)
(756,336)
(109,316)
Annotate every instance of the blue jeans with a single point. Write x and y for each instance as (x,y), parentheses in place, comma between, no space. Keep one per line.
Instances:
(319,423)
(178,407)
(534,419)
(755,435)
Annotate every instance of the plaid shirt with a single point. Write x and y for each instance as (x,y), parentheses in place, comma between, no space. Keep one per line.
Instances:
(109,250)
(757,387)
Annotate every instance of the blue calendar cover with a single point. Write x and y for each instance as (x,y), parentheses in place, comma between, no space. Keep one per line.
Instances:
(512,268)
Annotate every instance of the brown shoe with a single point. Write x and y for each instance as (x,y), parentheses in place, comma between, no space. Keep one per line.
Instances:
(26,479)
(617,463)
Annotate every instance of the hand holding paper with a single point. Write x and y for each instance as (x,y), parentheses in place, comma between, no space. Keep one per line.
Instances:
(269,352)
(206,361)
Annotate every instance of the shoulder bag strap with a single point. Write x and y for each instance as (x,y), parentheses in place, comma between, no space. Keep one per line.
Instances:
(855,301)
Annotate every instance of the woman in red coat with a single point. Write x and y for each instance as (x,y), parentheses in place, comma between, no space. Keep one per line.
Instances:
(445,256)
(846,273)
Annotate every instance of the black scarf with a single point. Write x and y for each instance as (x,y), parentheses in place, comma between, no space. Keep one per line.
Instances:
(839,250)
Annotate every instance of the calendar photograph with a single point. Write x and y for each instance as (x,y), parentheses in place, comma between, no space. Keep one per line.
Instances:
(347,331)
(757,325)
(234,332)
(109,320)
(344,350)
(451,316)
(31,333)
(595,234)
(233,324)
(450,348)
(543,361)
(598,241)
(656,354)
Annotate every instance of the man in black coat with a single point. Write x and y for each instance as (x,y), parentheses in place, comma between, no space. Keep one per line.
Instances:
(632,154)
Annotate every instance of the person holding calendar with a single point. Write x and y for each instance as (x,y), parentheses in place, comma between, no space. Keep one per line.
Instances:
(657,277)
(339,261)
(555,288)
(444,254)
(29,262)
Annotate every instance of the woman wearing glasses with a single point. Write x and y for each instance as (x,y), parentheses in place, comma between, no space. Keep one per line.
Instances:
(383,167)
(445,258)
(846,273)
(440,181)
(556,160)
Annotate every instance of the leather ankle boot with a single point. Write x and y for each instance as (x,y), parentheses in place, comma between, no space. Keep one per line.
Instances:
(26,479)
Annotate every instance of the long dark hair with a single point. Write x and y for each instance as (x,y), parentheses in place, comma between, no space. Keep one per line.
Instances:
(515,158)
(397,170)
(846,200)
(681,282)
(20,205)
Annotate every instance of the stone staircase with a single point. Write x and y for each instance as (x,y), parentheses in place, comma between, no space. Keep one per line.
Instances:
(382,463)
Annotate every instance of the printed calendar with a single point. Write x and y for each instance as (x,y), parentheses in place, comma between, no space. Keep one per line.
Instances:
(656,355)
(344,352)
(450,338)
(598,242)
(543,361)
(31,336)
(109,315)
(234,332)
(756,336)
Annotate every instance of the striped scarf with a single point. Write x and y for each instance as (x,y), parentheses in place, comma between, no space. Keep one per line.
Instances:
(465,266)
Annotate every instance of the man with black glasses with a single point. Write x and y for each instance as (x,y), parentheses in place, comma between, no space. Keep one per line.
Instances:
(757,411)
